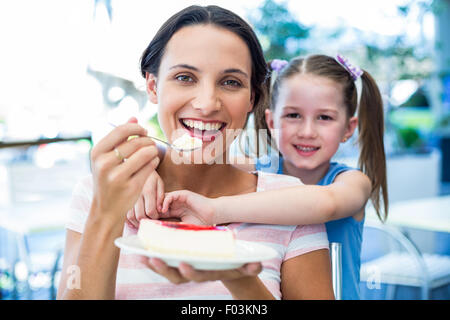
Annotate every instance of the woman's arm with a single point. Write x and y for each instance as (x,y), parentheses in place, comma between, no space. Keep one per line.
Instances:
(306,204)
(307,276)
(117,185)
(250,288)
(90,260)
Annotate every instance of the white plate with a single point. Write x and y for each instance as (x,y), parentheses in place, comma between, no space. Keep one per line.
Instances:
(246,252)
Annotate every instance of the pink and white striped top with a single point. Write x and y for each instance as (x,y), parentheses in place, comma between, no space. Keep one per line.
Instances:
(136,281)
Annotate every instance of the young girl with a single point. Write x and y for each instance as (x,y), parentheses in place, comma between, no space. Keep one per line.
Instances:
(312,111)
(204,68)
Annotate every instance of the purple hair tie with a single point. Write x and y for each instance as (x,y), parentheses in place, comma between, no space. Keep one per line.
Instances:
(278,65)
(354,71)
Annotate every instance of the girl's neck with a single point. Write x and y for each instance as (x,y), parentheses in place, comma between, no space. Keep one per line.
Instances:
(209,180)
(307,176)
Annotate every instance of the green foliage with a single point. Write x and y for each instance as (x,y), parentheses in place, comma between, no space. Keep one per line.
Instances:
(155,128)
(406,60)
(279,31)
(409,138)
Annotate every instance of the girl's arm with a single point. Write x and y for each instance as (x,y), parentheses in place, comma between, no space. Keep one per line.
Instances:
(299,205)
(306,204)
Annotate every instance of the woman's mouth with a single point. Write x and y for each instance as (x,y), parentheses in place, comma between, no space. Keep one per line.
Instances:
(201,129)
(305,150)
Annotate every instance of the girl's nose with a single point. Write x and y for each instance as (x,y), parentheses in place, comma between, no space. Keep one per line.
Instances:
(207,100)
(307,129)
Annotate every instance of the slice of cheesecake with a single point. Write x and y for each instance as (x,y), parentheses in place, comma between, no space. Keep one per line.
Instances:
(186,239)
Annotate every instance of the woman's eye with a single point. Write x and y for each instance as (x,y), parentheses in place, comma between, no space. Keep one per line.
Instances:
(232,83)
(184,78)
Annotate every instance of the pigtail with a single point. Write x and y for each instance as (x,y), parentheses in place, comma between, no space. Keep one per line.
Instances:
(372,158)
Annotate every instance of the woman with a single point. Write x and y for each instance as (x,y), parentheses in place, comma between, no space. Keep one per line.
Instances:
(205,69)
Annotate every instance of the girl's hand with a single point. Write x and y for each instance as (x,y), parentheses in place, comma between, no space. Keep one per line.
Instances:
(150,201)
(190,207)
(186,273)
(120,168)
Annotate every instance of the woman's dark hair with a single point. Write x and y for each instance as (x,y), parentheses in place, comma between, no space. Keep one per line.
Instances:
(372,158)
(193,15)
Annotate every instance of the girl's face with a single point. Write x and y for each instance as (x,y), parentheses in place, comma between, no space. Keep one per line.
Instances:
(203,86)
(311,119)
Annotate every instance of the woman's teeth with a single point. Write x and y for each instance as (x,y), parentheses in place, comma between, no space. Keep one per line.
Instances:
(202,125)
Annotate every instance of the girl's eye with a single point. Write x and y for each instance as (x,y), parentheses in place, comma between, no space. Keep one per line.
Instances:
(184,78)
(293,115)
(325,117)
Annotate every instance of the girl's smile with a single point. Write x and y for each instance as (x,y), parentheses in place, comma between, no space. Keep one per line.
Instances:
(311,119)
(306,150)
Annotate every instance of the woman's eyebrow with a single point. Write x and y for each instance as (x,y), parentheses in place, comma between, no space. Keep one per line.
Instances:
(236,71)
(187,66)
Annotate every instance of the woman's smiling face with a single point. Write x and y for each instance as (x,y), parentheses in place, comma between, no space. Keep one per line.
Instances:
(203,86)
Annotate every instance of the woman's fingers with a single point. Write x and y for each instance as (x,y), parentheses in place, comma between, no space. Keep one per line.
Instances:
(159,193)
(185,272)
(129,147)
(251,269)
(171,274)
(141,175)
(117,136)
(149,193)
(139,209)
(131,218)
(138,159)
(191,274)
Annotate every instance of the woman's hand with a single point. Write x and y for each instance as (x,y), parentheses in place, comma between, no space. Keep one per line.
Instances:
(186,273)
(190,207)
(120,167)
(149,203)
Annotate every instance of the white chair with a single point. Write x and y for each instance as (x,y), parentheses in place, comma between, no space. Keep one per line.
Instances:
(336,268)
(403,264)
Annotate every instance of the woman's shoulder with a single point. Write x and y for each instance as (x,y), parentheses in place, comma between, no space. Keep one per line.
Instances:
(84,185)
(80,204)
(271,181)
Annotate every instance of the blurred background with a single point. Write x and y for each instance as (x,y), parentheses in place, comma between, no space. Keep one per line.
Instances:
(68,68)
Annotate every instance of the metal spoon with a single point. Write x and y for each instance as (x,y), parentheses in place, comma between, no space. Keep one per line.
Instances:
(167,143)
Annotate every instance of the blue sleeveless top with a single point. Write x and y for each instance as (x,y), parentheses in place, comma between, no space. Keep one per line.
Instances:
(347,231)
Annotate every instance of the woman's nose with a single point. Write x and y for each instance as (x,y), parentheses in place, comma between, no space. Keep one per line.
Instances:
(207,100)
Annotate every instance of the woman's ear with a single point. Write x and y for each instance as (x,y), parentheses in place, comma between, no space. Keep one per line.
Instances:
(252,102)
(150,81)
(351,127)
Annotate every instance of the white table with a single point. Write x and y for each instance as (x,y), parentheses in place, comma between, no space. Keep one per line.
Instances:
(32,217)
(430,214)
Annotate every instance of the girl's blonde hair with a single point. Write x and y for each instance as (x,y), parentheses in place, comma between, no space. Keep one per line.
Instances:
(372,158)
